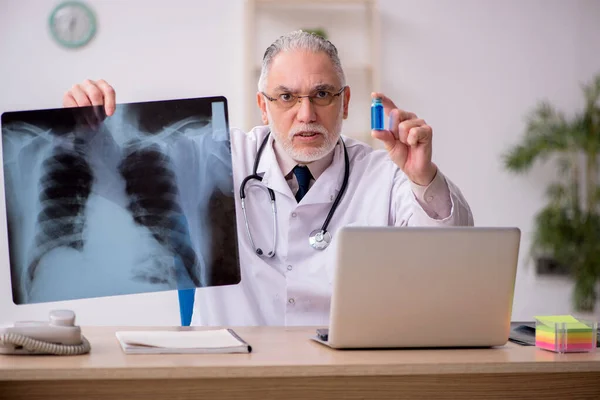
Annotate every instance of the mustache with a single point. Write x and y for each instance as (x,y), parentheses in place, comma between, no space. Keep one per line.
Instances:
(318,128)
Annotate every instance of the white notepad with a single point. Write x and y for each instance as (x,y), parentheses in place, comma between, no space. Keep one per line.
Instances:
(182,342)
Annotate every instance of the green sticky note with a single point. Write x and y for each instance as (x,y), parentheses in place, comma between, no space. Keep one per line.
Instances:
(551,321)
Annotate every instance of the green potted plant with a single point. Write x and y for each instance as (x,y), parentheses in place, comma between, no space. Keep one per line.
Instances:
(567,228)
(317,31)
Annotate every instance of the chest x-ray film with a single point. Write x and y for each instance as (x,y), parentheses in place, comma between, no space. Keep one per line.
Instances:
(141,201)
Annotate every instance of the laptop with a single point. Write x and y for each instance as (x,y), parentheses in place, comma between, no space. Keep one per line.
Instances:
(422,287)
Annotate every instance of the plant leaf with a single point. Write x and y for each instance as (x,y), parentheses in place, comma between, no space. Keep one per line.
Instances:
(546,133)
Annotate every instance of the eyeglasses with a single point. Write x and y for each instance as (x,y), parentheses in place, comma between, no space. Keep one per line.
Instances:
(320,98)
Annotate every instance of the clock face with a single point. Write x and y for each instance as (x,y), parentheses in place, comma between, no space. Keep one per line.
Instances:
(72,24)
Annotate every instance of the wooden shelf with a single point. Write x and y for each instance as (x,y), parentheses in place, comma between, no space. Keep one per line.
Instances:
(275,3)
(348,70)
(351,25)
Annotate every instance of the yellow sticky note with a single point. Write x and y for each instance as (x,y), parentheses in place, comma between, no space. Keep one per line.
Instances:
(553,319)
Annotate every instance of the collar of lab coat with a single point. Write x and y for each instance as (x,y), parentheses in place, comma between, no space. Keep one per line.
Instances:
(287,163)
(323,190)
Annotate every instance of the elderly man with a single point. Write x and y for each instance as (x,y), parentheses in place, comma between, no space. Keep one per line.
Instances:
(320,181)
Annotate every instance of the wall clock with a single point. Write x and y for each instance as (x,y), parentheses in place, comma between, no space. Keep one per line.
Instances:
(72,24)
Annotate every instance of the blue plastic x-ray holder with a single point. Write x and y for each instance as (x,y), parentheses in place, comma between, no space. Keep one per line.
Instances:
(186,305)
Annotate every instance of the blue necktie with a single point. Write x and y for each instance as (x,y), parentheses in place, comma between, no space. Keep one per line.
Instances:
(303,176)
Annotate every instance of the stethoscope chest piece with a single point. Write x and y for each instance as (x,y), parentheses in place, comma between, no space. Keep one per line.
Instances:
(319,239)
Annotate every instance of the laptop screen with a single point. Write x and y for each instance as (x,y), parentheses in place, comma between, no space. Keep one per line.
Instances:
(139,201)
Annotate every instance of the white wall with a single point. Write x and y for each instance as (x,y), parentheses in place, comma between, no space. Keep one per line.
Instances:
(471,68)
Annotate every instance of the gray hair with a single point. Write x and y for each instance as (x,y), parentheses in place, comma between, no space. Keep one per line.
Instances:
(300,40)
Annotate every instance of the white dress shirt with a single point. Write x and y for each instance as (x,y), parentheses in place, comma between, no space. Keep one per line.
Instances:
(294,286)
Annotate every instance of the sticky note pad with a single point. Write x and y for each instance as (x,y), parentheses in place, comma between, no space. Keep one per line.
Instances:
(565,333)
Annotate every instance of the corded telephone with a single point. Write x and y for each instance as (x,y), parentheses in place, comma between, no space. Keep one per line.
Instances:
(58,336)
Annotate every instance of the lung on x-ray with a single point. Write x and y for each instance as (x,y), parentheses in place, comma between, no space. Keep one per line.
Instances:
(140,201)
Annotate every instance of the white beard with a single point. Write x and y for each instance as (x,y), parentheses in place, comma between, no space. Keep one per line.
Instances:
(307,155)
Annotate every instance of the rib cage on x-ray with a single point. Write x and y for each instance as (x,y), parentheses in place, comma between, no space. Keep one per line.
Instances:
(65,186)
(155,179)
(153,194)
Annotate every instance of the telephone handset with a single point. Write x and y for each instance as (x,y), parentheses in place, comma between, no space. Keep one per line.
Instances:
(58,336)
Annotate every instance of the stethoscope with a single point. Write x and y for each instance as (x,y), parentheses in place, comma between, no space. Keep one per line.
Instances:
(319,239)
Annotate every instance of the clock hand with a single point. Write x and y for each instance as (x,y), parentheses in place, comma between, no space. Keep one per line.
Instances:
(72,23)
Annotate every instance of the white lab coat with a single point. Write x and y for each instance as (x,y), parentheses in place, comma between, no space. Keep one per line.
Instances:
(294,287)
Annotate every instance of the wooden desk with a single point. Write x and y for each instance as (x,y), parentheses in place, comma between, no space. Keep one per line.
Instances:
(285,364)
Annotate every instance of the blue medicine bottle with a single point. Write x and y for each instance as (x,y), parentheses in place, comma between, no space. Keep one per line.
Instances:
(376,114)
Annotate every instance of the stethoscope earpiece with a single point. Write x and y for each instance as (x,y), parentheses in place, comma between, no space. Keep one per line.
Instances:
(319,239)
